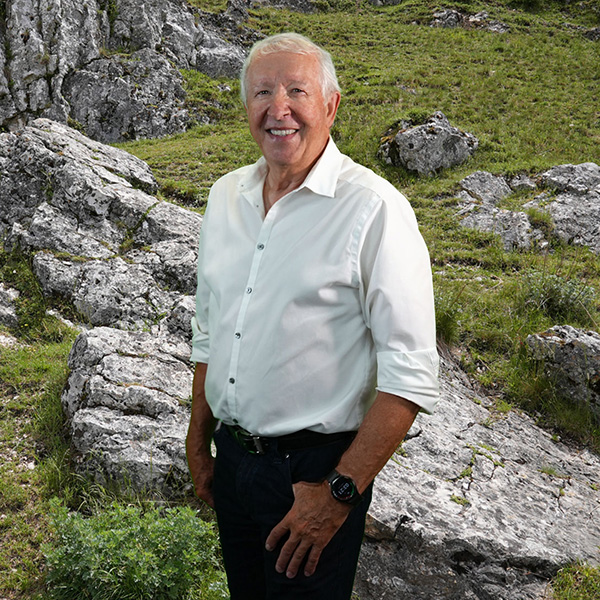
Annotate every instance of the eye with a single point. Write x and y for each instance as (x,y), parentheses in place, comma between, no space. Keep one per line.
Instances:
(262,92)
(297,91)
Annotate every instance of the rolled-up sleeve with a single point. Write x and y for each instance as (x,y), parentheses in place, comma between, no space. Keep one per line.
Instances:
(398,305)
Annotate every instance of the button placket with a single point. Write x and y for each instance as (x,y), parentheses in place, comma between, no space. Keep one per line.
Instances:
(259,248)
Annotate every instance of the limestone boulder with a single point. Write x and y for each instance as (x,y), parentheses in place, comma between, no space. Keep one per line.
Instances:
(478,504)
(569,196)
(118,254)
(109,104)
(8,309)
(127,402)
(575,210)
(452,18)
(427,148)
(480,194)
(571,358)
(79,59)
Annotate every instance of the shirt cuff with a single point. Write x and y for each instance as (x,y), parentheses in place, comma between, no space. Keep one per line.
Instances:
(200,344)
(410,375)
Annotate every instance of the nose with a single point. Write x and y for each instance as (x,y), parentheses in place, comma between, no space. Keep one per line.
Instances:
(279,107)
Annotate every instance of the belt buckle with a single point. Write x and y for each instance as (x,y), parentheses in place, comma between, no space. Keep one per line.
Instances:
(258,445)
(252,443)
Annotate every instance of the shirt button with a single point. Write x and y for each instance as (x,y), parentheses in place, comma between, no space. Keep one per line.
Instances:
(238,335)
(231,380)
(248,290)
(261,246)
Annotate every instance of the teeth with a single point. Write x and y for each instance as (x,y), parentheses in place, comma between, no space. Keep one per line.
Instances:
(282,131)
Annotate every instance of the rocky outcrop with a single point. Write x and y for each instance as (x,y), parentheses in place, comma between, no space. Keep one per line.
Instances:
(480,193)
(569,199)
(88,60)
(453,18)
(478,504)
(571,359)
(573,202)
(119,255)
(123,259)
(127,400)
(426,148)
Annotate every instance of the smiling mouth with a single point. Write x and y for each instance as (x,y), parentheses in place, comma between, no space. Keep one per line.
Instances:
(281,132)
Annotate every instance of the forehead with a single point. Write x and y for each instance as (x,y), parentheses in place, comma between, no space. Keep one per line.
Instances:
(284,67)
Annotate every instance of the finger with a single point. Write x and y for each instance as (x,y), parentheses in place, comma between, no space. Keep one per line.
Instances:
(313,561)
(293,563)
(285,555)
(276,534)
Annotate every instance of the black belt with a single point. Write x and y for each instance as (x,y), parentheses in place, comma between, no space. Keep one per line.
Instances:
(258,444)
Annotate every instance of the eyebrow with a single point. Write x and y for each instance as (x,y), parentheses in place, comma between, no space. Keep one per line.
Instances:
(266,82)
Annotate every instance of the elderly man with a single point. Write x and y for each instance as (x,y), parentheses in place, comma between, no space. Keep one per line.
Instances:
(314,337)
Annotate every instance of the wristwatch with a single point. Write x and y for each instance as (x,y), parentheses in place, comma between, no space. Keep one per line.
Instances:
(343,488)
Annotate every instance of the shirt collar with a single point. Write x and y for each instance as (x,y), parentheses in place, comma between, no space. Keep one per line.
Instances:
(321,179)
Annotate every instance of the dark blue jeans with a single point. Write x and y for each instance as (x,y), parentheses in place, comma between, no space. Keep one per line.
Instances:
(252,494)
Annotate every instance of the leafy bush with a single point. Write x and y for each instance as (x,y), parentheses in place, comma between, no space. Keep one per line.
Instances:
(127,553)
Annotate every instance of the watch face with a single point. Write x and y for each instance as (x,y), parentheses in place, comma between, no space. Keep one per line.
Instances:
(343,488)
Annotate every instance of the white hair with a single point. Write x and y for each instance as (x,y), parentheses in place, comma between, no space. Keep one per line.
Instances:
(296,44)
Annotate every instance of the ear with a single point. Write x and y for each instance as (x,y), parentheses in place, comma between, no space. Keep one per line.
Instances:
(332,105)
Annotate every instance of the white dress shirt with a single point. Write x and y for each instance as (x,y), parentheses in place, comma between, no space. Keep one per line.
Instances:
(303,312)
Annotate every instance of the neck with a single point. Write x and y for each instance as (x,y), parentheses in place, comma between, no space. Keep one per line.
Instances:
(280,182)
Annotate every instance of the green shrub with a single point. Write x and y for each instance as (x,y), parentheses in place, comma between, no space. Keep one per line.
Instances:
(127,553)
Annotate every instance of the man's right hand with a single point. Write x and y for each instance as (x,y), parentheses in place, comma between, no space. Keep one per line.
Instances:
(202,476)
(198,441)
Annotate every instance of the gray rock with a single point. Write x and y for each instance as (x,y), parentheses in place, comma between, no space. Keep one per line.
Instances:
(453,18)
(485,187)
(429,147)
(522,183)
(127,98)
(578,179)
(127,402)
(575,210)
(64,58)
(119,255)
(514,228)
(571,358)
(478,505)
(8,310)
(447,18)
(572,200)
(481,191)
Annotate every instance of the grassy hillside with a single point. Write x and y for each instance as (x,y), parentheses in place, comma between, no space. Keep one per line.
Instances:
(530,96)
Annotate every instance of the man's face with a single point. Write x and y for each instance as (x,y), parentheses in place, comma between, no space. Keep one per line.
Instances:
(288,116)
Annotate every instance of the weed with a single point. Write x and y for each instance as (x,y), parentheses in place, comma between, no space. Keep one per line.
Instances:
(461,500)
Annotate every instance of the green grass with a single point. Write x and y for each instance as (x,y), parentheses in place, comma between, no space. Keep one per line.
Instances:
(530,96)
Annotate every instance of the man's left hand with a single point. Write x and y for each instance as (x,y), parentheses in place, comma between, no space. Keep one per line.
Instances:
(312,521)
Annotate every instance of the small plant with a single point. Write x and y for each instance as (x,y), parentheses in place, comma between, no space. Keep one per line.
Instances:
(460,500)
(127,552)
(564,300)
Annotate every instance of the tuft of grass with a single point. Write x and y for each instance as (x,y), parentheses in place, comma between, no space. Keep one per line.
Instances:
(577,582)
